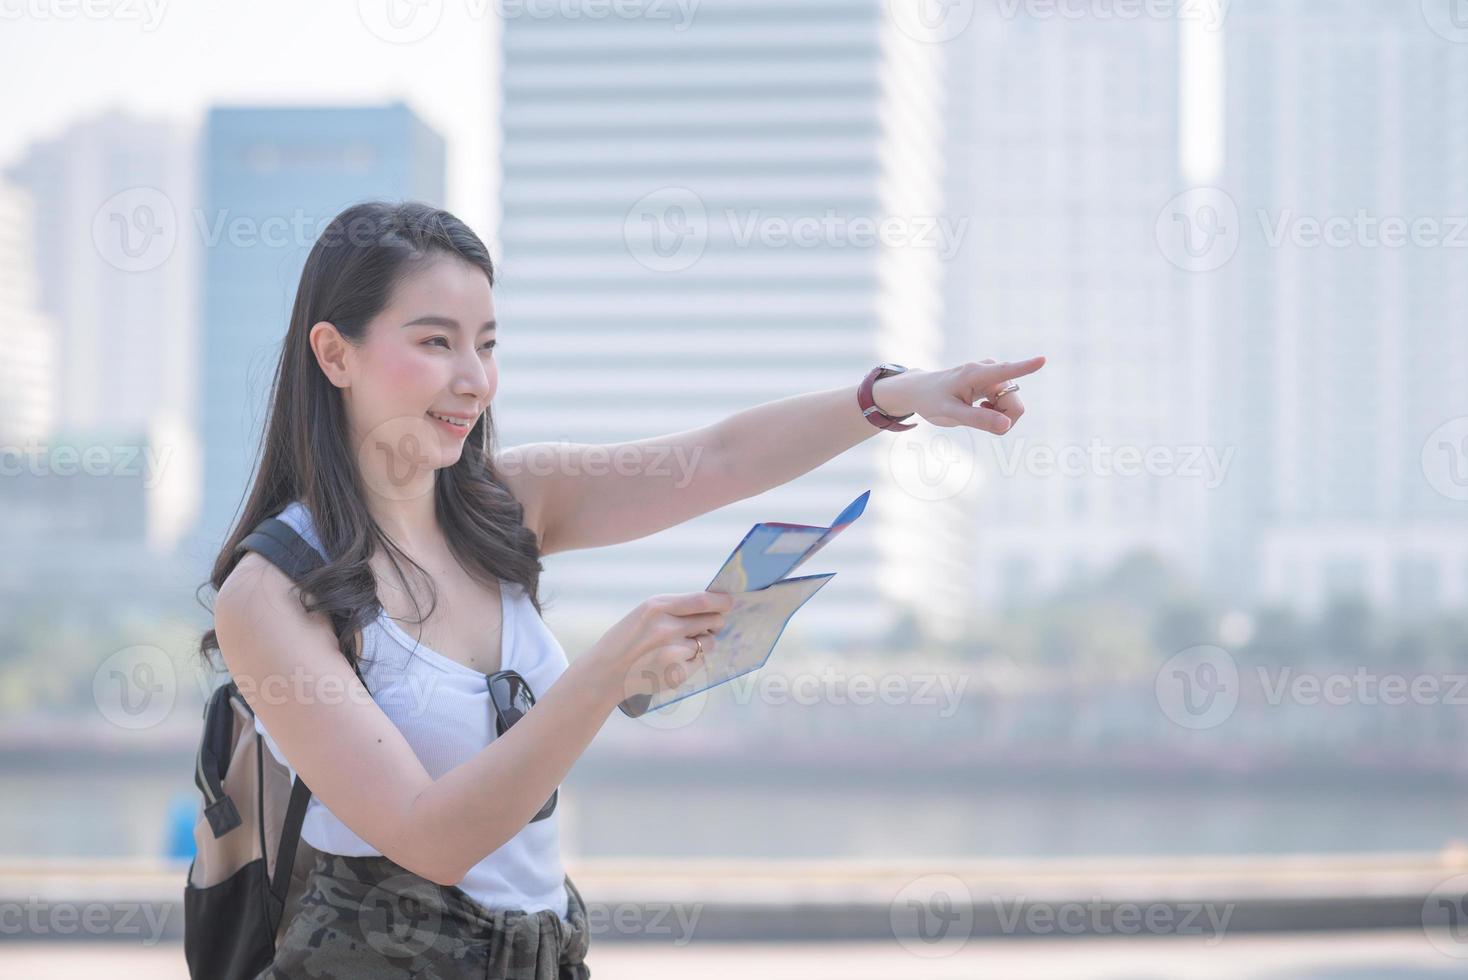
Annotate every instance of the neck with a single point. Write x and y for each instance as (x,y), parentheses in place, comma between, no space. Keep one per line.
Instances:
(398,480)
(406,513)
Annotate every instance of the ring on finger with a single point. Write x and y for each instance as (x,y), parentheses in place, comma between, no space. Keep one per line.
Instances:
(700,646)
(1011,386)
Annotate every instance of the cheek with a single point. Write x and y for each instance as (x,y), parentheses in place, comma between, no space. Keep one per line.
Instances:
(402,375)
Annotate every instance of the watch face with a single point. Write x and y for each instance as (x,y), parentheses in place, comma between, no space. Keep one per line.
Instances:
(894,368)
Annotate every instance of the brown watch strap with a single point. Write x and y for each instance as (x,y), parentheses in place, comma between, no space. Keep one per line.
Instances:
(868,404)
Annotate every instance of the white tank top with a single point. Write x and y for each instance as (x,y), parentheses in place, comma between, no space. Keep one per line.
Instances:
(443,710)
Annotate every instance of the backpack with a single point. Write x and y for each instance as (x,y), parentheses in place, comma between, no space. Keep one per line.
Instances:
(250,863)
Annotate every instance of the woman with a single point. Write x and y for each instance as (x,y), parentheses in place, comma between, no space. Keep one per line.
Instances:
(432,798)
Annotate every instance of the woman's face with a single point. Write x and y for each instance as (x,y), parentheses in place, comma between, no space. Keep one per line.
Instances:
(428,353)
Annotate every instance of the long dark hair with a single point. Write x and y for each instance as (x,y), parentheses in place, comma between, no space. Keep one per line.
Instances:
(307,453)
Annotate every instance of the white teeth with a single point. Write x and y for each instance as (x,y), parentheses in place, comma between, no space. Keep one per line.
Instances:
(461,425)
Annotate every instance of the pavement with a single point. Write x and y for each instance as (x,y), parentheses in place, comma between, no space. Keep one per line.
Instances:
(1368,955)
(1277,917)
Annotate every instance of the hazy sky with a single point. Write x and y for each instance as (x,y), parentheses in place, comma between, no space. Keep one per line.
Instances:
(65,59)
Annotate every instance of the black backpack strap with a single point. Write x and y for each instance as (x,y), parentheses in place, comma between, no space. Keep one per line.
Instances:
(290,837)
(212,763)
(283,547)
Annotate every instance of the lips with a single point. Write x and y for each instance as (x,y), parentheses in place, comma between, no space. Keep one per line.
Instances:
(459,423)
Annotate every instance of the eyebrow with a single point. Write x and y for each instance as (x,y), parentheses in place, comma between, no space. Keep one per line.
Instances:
(445,321)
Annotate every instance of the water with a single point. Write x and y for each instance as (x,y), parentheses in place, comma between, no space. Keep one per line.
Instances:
(122,811)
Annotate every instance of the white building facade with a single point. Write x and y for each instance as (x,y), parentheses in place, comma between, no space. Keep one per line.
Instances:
(693,225)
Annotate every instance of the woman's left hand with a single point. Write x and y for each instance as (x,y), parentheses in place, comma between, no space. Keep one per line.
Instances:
(946,397)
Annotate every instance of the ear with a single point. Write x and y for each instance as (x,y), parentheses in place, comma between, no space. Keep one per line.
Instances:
(331,350)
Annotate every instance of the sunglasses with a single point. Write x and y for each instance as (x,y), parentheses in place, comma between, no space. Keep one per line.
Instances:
(511,697)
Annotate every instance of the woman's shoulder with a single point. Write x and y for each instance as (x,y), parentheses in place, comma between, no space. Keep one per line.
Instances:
(253,595)
(254,571)
(256,608)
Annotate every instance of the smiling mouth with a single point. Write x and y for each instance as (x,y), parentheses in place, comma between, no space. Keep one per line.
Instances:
(456,423)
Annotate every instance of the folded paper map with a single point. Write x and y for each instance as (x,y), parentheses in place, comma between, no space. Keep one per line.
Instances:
(764,600)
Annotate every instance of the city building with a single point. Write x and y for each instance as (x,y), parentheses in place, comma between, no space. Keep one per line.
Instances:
(1063,146)
(273,178)
(701,217)
(1339,356)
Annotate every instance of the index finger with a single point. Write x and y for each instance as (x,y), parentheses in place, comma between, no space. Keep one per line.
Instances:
(693,603)
(989,374)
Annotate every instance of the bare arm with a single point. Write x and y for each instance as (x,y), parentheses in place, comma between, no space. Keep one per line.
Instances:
(353,757)
(812,429)
(589,496)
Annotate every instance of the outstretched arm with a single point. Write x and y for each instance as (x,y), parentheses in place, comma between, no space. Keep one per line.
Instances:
(590,496)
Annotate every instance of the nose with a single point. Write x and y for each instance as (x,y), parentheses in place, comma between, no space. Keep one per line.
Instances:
(474,377)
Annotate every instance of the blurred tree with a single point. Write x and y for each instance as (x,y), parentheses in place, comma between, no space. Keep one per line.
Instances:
(1141,580)
(1348,632)
(1279,638)
(1181,623)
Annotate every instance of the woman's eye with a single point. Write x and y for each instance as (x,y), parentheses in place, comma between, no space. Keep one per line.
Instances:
(489,346)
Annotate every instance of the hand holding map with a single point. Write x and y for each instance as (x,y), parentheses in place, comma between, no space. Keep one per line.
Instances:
(764,601)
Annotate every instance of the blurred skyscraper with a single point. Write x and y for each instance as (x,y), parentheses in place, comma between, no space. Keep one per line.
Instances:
(116,276)
(1063,146)
(692,225)
(27,336)
(106,492)
(272,179)
(1341,359)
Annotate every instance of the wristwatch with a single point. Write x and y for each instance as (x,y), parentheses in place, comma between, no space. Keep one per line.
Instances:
(869,407)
